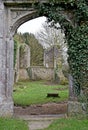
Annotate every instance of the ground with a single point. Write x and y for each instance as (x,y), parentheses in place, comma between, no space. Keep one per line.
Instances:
(45,109)
(40,116)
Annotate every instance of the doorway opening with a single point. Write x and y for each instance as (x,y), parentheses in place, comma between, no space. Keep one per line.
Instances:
(40,69)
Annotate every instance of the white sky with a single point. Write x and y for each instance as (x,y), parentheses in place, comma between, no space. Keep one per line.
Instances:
(32,26)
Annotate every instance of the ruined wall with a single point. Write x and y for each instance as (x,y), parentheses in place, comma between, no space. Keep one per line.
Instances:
(6,64)
(38,72)
(23,74)
(24,56)
(77,109)
(53,58)
(22,62)
(49,57)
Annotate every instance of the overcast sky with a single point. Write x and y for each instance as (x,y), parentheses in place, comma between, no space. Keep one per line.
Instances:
(32,26)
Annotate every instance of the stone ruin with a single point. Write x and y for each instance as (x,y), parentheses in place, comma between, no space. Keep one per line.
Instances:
(22,62)
(52,58)
(13,13)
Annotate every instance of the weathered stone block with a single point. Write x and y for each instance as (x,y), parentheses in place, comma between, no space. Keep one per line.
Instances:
(23,75)
(37,73)
(24,56)
(6,109)
(1,23)
(77,109)
(1,44)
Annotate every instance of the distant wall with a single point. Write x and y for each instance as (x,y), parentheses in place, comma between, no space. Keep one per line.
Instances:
(23,75)
(22,62)
(52,56)
(36,73)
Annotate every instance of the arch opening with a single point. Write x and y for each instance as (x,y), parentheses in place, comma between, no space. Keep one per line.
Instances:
(44,66)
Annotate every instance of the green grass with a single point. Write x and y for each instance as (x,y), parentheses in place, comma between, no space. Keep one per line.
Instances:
(12,124)
(68,124)
(29,92)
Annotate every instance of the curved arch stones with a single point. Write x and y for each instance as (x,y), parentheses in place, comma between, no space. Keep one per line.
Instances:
(12,14)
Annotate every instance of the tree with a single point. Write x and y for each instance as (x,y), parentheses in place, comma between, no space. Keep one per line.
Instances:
(73,18)
(50,36)
(35,48)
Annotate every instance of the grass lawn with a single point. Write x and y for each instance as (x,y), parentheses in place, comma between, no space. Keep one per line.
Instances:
(35,92)
(68,124)
(12,124)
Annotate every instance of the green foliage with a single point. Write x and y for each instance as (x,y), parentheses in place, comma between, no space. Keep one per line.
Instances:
(78,56)
(27,93)
(18,40)
(68,124)
(35,48)
(73,18)
(22,49)
(15,51)
(12,124)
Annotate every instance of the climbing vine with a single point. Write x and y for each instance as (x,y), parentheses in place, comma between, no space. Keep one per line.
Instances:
(15,51)
(73,18)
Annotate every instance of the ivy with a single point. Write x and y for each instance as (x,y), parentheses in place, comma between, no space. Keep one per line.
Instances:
(73,18)
(15,51)
(78,56)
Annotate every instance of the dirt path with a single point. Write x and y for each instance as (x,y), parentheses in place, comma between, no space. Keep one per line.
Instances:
(41,116)
(37,122)
(48,108)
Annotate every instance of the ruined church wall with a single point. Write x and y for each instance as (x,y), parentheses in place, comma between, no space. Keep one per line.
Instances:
(36,73)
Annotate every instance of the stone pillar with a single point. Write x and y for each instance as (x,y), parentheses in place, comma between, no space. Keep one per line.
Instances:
(71,90)
(6,103)
(75,108)
(24,61)
(16,68)
(2,62)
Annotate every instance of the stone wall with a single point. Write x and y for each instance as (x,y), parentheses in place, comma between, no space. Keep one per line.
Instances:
(16,65)
(24,56)
(52,56)
(77,109)
(6,65)
(11,17)
(23,74)
(49,57)
(36,73)
(22,62)
(42,73)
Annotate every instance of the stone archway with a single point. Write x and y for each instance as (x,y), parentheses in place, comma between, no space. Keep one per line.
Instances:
(13,14)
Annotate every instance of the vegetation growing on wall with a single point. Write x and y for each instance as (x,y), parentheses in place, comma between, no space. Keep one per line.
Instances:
(73,18)
(15,51)
(36,49)
(17,41)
